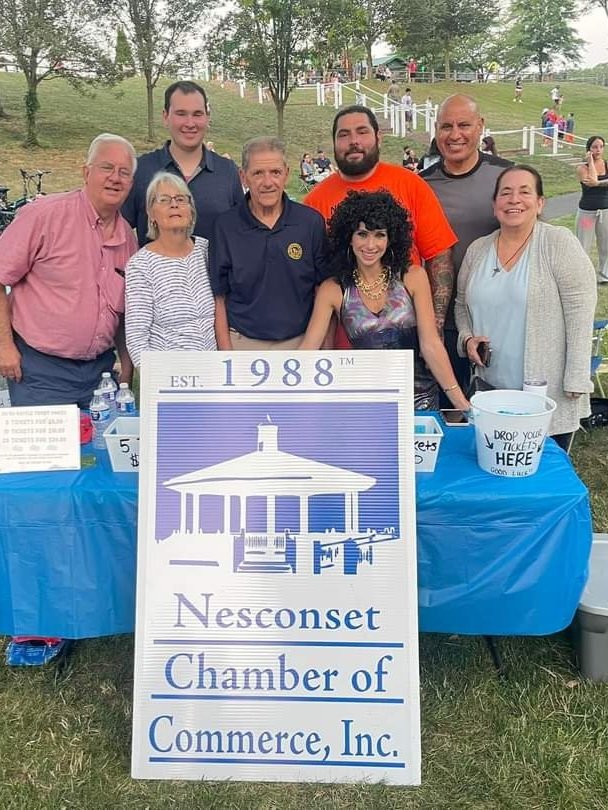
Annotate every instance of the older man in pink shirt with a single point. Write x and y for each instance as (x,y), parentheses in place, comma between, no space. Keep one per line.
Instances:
(64,258)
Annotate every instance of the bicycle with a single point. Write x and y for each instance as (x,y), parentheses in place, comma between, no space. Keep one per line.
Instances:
(32,189)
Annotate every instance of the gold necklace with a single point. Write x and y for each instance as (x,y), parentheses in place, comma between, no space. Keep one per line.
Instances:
(374,289)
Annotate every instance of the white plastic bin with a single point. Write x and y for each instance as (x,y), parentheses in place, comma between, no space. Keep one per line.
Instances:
(427,441)
(591,624)
(122,440)
(510,430)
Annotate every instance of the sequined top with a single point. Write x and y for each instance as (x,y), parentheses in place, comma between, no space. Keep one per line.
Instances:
(393,327)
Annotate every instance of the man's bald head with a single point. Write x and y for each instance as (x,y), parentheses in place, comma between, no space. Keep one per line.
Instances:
(458,131)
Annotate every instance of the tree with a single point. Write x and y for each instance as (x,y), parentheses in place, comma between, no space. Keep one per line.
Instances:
(123,55)
(432,29)
(158,32)
(265,41)
(374,19)
(543,31)
(51,39)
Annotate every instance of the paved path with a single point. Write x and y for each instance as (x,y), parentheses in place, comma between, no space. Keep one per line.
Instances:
(561,205)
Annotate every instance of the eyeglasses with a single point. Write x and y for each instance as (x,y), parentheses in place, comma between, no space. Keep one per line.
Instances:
(110,168)
(178,199)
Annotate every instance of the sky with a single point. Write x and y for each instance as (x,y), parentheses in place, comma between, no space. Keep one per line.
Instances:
(593,28)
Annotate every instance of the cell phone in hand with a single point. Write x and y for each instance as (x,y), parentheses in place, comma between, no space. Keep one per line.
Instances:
(485,353)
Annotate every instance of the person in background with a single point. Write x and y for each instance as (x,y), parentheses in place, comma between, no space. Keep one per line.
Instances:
(488,146)
(409,160)
(323,164)
(519,90)
(169,303)
(408,105)
(64,258)
(528,291)
(382,300)
(570,123)
(592,214)
(308,171)
(393,92)
(213,180)
(267,256)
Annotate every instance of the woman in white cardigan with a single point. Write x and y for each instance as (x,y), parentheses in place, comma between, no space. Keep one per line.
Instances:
(529,291)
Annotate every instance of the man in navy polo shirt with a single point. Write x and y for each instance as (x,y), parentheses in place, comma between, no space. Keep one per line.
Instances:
(266,257)
(213,180)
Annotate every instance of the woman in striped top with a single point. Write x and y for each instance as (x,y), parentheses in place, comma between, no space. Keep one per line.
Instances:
(169,303)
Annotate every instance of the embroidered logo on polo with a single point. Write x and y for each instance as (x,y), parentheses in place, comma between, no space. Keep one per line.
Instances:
(294,251)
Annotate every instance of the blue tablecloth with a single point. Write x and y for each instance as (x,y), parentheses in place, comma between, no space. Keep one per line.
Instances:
(495,556)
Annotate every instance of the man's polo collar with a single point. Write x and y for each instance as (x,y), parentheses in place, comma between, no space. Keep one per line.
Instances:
(251,221)
(207,161)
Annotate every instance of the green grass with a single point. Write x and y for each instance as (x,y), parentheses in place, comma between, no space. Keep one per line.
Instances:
(538,741)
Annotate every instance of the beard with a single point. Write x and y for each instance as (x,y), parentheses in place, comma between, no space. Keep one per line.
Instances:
(357,168)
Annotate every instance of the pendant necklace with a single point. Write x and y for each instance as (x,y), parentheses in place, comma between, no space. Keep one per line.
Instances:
(496,270)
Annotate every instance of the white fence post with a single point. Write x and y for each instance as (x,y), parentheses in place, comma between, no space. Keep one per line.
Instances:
(414,116)
(363,100)
(206,73)
(385,105)
(260,94)
(524,138)
(555,141)
(403,121)
(242,88)
(391,117)
(531,135)
(323,95)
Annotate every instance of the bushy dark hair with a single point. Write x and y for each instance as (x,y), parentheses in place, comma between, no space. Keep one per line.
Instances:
(593,138)
(378,210)
(354,108)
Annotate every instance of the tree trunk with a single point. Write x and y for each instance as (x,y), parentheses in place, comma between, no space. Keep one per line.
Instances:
(150,103)
(370,68)
(32,105)
(3,113)
(280,108)
(446,64)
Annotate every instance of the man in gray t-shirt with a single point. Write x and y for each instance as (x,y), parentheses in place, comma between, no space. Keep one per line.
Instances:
(464,181)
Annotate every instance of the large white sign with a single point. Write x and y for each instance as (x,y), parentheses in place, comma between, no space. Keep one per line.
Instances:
(276,590)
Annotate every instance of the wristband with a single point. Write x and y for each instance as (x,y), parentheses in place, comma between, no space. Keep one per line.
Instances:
(451,388)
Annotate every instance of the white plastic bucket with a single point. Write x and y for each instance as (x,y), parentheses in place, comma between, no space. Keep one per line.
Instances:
(510,431)
(427,441)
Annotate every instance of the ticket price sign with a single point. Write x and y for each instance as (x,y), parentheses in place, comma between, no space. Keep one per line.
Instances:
(276,630)
(39,438)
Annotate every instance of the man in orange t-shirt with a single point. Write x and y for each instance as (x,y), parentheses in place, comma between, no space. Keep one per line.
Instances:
(357,141)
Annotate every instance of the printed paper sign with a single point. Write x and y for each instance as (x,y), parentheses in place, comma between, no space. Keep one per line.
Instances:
(39,438)
(277,607)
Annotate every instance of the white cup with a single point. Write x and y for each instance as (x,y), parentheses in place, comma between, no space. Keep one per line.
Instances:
(536,386)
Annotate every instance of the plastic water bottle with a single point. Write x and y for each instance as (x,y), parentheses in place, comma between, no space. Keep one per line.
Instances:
(125,401)
(101,416)
(108,389)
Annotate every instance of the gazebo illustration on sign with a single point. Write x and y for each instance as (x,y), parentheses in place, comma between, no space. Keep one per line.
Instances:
(272,474)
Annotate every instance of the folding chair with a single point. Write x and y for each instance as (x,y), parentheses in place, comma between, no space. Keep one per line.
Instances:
(304,186)
(599,327)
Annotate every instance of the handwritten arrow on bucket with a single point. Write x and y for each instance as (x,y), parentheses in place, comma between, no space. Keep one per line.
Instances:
(489,444)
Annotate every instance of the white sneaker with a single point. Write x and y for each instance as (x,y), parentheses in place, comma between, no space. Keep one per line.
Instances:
(602,279)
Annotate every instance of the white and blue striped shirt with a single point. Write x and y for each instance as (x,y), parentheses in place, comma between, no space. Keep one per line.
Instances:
(169,302)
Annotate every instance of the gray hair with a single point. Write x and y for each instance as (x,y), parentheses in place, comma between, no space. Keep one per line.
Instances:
(263,143)
(180,186)
(107,138)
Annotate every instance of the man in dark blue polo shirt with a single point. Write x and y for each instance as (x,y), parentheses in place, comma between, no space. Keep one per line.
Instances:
(213,180)
(266,257)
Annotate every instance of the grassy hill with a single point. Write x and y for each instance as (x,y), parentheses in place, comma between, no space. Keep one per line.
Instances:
(537,741)
(69,121)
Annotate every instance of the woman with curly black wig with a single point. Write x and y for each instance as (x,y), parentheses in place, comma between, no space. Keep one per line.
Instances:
(382,301)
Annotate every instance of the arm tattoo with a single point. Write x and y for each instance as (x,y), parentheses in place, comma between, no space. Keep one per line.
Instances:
(440,271)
